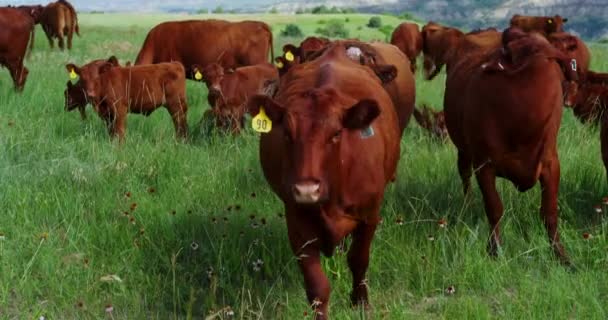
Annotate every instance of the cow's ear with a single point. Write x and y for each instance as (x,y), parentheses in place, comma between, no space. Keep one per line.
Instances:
(272,109)
(113,60)
(386,72)
(361,114)
(72,67)
(105,68)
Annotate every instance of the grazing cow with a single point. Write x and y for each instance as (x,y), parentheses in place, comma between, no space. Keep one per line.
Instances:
(202,42)
(543,25)
(432,121)
(504,122)
(115,91)
(332,149)
(574,48)
(59,20)
(229,91)
(408,39)
(16,30)
(75,94)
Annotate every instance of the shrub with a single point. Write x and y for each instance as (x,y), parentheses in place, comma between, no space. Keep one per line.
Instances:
(374,22)
(334,29)
(291,30)
(274,10)
(219,9)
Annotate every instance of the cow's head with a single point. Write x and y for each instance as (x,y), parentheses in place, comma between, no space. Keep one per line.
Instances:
(564,42)
(213,74)
(554,24)
(89,74)
(438,42)
(75,96)
(313,128)
(36,12)
(311,45)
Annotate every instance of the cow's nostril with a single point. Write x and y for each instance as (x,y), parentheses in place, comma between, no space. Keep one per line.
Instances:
(309,192)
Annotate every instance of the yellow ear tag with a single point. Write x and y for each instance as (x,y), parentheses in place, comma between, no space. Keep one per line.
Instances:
(279,64)
(289,56)
(73,74)
(261,122)
(550,21)
(198,75)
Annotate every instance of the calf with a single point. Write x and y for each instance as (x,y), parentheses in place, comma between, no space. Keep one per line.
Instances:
(116,91)
(75,94)
(332,149)
(229,91)
(16,30)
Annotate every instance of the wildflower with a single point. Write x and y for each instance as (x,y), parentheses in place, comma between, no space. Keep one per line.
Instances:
(173,212)
(44,236)
(316,303)
(128,194)
(41,318)
(151,190)
(598,209)
(194,246)
(257,265)
(11,123)
(431,237)
(213,220)
(242,233)
(263,221)
(255,242)
(228,312)
(450,290)
(126,213)
(237,207)
(133,206)
(79,304)
(110,278)
(442,223)
(141,231)
(229,208)
(109,308)
(209,272)
(2,236)
(587,236)
(132,220)
(399,221)
(252,216)
(254,225)
(253,195)
(86,262)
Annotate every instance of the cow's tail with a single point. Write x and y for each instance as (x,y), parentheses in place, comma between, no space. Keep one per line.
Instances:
(32,34)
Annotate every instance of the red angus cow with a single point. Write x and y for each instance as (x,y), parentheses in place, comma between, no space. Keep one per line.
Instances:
(408,39)
(544,25)
(202,42)
(116,91)
(574,48)
(16,30)
(229,91)
(333,147)
(505,123)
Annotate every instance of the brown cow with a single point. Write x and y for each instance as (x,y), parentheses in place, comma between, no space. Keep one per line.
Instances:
(333,147)
(544,25)
(574,48)
(33,11)
(58,20)
(75,94)
(293,55)
(408,39)
(116,91)
(228,92)
(505,124)
(202,42)
(432,121)
(16,29)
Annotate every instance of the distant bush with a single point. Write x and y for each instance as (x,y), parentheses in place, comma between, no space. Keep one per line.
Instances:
(374,22)
(603,41)
(218,9)
(406,16)
(292,30)
(347,20)
(322,21)
(274,10)
(334,29)
(325,10)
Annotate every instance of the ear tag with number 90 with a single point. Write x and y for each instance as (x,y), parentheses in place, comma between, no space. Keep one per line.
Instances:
(261,122)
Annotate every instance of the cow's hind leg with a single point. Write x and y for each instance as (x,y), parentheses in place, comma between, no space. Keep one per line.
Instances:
(486,178)
(465,169)
(358,261)
(549,181)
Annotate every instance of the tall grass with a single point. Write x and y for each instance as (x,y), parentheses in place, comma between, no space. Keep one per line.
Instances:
(160,229)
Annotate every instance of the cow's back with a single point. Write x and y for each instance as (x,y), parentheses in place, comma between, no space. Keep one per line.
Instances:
(15,28)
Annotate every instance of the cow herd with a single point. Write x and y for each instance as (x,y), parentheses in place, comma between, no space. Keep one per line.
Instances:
(332,112)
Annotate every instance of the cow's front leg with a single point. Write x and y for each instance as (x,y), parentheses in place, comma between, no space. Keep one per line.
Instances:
(358,261)
(305,245)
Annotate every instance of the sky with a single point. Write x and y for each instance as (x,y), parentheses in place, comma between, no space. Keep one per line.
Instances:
(148,5)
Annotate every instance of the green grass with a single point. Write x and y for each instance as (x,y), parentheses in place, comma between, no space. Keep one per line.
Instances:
(63,204)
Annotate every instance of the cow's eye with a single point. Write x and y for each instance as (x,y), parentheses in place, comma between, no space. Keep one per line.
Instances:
(336,136)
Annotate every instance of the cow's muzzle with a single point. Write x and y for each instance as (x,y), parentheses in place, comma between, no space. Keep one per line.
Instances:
(307,192)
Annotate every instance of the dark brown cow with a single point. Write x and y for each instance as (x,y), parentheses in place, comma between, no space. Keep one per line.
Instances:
(408,39)
(544,25)
(58,20)
(75,94)
(229,91)
(590,102)
(202,42)
(16,30)
(505,124)
(432,121)
(574,48)
(333,147)
(116,91)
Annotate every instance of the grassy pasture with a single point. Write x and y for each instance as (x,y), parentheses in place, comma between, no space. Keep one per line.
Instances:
(158,229)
